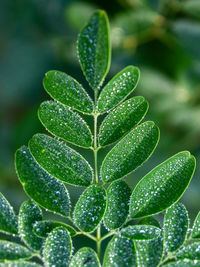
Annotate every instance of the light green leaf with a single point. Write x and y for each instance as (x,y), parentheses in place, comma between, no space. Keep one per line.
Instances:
(85,257)
(196,227)
(183,263)
(118,195)
(19,264)
(192,7)
(29,214)
(118,89)
(175,226)
(90,208)
(13,251)
(191,252)
(94,49)
(43,228)
(67,91)
(8,219)
(131,152)
(63,162)
(122,119)
(64,123)
(45,190)
(57,248)
(162,186)
(120,251)
(140,232)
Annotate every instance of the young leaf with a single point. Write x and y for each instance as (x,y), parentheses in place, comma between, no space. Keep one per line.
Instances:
(149,221)
(162,186)
(8,219)
(29,213)
(118,89)
(19,264)
(94,49)
(196,227)
(13,251)
(140,232)
(63,162)
(90,208)
(175,227)
(120,251)
(183,263)
(43,228)
(64,123)
(45,190)
(58,248)
(86,257)
(118,194)
(191,252)
(131,152)
(122,119)
(67,91)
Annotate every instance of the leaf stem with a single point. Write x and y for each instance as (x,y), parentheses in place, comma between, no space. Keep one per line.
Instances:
(107,235)
(88,235)
(99,242)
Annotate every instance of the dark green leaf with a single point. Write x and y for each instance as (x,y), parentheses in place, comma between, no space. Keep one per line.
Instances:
(122,119)
(8,219)
(192,7)
(118,195)
(67,91)
(196,227)
(63,162)
(131,152)
(94,49)
(149,221)
(118,89)
(90,208)
(85,257)
(45,190)
(183,263)
(19,264)
(29,214)
(58,248)
(140,232)
(13,251)
(191,252)
(162,186)
(64,123)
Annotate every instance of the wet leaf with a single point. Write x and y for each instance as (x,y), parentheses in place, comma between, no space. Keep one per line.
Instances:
(191,252)
(162,186)
(122,119)
(196,227)
(183,263)
(60,161)
(175,226)
(57,248)
(118,195)
(140,232)
(94,49)
(131,152)
(13,251)
(149,221)
(90,208)
(118,89)
(8,219)
(45,190)
(85,257)
(65,124)
(19,264)
(29,214)
(67,91)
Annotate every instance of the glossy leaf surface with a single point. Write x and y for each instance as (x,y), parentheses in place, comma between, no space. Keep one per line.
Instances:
(191,252)
(196,227)
(183,263)
(140,232)
(149,221)
(85,257)
(13,251)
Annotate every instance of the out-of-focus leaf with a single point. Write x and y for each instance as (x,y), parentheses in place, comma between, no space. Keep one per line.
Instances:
(192,7)
(183,263)
(19,264)
(86,257)
(196,227)
(13,251)
(140,232)
(191,252)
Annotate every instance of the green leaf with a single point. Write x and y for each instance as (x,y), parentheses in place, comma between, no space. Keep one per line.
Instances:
(122,119)
(175,226)
(118,89)
(140,232)
(29,214)
(118,195)
(192,7)
(94,49)
(131,152)
(120,251)
(58,248)
(191,252)
(19,264)
(63,162)
(67,91)
(85,257)
(13,251)
(45,190)
(196,227)
(162,186)
(90,208)
(8,219)
(183,263)
(149,221)
(43,228)
(64,123)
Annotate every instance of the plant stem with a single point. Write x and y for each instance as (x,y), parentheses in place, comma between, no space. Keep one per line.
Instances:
(107,235)
(88,235)
(99,242)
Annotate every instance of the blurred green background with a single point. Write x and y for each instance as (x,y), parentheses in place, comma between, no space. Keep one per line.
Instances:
(161,37)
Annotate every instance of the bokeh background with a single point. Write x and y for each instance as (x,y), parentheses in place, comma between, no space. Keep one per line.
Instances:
(161,37)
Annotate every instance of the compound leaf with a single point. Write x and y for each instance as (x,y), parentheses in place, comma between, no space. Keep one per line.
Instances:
(140,232)
(191,252)
(19,264)
(118,195)
(196,227)
(86,257)
(45,190)
(131,152)
(67,91)
(118,89)
(122,119)
(90,208)
(65,124)
(13,251)
(60,161)
(94,49)
(162,186)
